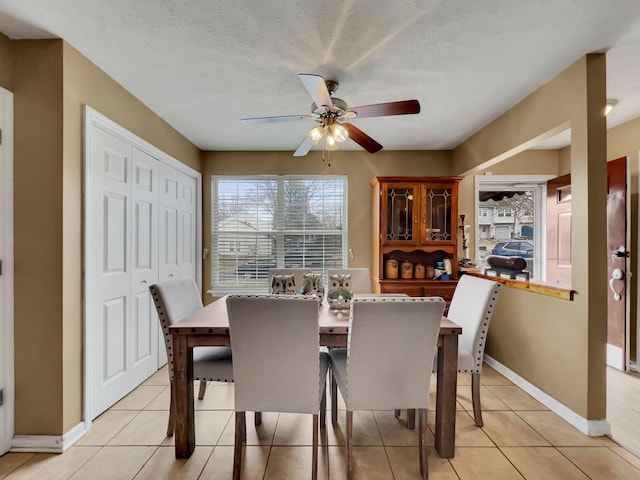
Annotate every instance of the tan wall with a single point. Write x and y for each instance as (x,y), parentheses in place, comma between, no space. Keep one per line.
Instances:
(38,167)
(558,345)
(51,82)
(565,161)
(6,69)
(359,166)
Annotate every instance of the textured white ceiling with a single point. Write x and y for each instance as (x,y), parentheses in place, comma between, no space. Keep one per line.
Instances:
(204,64)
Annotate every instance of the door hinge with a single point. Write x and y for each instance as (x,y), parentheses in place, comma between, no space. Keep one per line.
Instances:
(0,136)
(1,397)
(0,268)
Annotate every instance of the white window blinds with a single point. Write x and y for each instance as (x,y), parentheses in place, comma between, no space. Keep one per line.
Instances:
(263,222)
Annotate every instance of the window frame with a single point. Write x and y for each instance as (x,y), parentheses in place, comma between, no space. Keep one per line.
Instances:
(279,232)
(507,183)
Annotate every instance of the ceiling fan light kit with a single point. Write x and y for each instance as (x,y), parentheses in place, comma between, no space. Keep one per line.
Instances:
(334,116)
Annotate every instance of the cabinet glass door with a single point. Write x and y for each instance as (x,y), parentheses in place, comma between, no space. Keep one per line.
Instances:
(400,213)
(438,204)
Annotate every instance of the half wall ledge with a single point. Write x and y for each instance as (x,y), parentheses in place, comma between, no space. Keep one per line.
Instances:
(536,287)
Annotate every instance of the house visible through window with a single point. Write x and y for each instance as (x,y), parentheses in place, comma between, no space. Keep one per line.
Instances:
(510,219)
(263,222)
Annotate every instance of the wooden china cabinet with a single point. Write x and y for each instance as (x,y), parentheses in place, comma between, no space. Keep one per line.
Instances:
(415,226)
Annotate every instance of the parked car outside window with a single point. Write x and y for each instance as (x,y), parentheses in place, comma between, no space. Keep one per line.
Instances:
(514,248)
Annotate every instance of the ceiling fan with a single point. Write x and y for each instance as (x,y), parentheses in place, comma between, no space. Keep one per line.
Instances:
(334,116)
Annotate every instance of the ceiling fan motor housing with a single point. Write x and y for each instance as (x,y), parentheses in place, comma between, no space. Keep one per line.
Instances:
(340,106)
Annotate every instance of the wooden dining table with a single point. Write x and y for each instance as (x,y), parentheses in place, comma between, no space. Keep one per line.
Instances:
(210,327)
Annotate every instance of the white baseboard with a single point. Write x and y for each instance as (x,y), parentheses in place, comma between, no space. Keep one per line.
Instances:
(48,443)
(592,428)
(634,367)
(615,357)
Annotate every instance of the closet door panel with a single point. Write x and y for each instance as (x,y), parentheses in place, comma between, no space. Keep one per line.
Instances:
(144,325)
(188,215)
(169,229)
(109,315)
(177,231)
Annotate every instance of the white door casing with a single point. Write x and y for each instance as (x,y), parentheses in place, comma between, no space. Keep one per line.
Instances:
(122,184)
(6,278)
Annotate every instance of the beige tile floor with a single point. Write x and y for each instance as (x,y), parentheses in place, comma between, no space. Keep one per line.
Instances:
(521,439)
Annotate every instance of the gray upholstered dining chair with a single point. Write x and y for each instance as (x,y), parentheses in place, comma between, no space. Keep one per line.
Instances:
(298,274)
(278,366)
(398,378)
(176,299)
(360,278)
(472,305)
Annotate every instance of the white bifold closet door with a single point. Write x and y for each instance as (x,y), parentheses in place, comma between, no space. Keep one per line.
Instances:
(177,242)
(143,230)
(125,330)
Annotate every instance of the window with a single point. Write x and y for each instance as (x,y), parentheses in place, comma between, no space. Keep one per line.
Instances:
(263,222)
(504,212)
(517,227)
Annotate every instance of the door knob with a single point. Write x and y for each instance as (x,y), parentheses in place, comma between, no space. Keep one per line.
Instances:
(616,274)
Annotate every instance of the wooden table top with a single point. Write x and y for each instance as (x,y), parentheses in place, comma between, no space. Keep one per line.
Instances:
(213,320)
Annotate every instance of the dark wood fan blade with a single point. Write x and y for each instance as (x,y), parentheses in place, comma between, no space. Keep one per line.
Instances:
(316,87)
(281,118)
(304,148)
(362,139)
(404,107)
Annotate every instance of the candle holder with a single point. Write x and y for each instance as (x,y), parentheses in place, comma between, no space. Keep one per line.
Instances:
(463,229)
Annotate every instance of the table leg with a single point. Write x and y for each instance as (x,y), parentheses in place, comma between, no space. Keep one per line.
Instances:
(185,433)
(446,396)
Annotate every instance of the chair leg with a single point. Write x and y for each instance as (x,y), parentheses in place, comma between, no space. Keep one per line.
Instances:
(475,397)
(349,445)
(172,413)
(237,446)
(314,455)
(334,400)
(411,418)
(257,418)
(422,425)
(323,409)
(203,388)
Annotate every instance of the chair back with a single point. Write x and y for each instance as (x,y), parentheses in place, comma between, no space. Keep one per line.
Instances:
(392,341)
(298,274)
(360,278)
(174,299)
(275,347)
(471,307)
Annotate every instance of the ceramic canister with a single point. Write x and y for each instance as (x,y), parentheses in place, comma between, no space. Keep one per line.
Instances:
(406,269)
(391,268)
(430,272)
(419,271)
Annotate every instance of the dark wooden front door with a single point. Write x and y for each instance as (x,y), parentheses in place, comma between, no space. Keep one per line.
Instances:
(617,258)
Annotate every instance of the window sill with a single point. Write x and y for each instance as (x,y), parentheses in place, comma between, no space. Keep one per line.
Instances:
(550,290)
